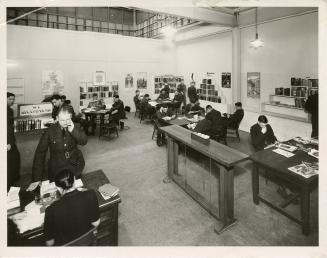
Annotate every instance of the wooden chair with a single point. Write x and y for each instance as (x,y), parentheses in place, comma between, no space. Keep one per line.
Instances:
(233,132)
(220,136)
(107,127)
(87,239)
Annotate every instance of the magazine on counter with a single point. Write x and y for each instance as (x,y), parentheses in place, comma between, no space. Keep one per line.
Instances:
(305,169)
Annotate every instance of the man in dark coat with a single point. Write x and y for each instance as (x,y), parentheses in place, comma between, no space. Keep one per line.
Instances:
(262,134)
(191,93)
(117,111)
(212,123)
(145,107)
(137,99)
(166,93)
(235,119)
(162,113)
(312,106)
(181,88)
(163,95)
(13,156)
(193,108)
(61,139)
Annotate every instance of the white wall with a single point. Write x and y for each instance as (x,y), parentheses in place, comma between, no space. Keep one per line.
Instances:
(31,50)
(290,50)
(205,54)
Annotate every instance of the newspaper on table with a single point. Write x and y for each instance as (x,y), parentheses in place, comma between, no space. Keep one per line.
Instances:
(305,169)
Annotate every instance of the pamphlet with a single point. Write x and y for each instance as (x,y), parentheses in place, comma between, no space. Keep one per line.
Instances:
(305,169)
(283,153)
(314,153)
(108,191)
(287,147)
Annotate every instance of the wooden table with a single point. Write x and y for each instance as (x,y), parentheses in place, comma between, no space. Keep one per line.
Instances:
(277,166)
(222,160)
(108,228)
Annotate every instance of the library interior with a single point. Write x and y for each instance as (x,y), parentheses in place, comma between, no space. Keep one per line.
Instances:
(162,126)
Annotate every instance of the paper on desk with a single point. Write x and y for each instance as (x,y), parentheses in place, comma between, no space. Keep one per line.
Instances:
(153,103)
(181,117)
(47,187)
(26,221)
(13,194)
(285,153)
(78,183)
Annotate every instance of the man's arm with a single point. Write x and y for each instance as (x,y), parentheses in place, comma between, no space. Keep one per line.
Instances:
(79,136)
(39,157)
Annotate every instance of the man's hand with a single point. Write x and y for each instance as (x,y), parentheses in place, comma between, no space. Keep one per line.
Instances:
(114,112)
(70,126)
(8,147)
(32,186)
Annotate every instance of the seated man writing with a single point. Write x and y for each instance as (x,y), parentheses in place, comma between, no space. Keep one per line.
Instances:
(74,214)
(163,95)
(163,114)
(145,107)
(212,124)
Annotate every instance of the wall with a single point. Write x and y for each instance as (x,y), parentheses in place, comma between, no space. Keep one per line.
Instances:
(212,52)
(31,50)
(290,50)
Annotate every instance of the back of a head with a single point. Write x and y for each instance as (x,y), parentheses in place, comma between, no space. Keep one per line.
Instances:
(262,119)
(56,97)
(146,95)
(238,104)
(208,107)
(63,97)
(116,96)
(64,179)
(9,94)
(66,109)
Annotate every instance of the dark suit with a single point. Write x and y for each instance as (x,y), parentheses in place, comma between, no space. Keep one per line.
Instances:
(146,108)
(137,102)
(191,93)
(236,118)
(13,155)
(119,106)
(63,152)
(260,140)
(211,125)
(312,106)
(163,96)
(182,89)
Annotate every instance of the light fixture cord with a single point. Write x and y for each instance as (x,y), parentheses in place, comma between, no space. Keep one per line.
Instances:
(256,23)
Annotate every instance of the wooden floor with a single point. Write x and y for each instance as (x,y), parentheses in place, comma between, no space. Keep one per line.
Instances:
(156,214)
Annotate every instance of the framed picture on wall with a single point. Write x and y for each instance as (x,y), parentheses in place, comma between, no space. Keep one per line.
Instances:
(253,85)
(129,80)
(141,80)
(99,78)
(52,82)
(226,80)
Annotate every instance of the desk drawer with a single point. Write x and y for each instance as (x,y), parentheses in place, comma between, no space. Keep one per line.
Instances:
(109,215)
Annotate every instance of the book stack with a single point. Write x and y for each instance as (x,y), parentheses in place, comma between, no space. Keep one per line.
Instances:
(13,202)
(108,191)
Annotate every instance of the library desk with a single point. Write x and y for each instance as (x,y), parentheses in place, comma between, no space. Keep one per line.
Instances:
(276,167)
(205,172)
(108,229)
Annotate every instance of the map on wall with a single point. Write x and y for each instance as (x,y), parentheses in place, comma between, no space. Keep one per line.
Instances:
(253,85)
(141,80)
(52,82)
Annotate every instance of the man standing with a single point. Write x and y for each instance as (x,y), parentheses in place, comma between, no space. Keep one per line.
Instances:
(61,139)
(13,156)
(181,88)
(312,106)
(191,93)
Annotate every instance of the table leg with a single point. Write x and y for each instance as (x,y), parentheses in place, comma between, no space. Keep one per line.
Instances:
(305,210)
(255,183)
(170,160)
(226,200)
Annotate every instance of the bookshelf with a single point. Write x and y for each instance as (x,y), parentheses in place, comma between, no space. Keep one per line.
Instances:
(172,81)
(290,101)
(105,92)
(208,92)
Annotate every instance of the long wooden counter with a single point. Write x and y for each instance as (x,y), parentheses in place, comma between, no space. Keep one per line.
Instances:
(190,161)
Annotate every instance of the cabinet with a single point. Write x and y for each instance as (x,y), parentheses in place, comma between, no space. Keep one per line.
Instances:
(172,81)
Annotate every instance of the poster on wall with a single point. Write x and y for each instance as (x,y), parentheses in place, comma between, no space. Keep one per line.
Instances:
(226,80)
(52,82)
(253,85)
(99,78)
(141,80)
(129,81)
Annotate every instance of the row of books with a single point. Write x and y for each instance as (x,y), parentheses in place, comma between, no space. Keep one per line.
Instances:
(207,92)
(207,86)
(108,94)
(210,98)
(304,82)
(168,79)
(27,125)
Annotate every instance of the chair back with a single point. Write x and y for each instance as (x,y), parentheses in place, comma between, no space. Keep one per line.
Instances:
(87,239)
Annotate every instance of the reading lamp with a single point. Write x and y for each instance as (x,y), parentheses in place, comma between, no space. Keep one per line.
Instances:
(257,42)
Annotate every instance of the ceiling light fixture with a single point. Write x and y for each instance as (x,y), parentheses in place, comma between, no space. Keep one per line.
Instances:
(257,42)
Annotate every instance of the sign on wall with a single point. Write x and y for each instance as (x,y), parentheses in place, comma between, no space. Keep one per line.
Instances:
(129,81)
(141,80)
(226,80)
(99,78)
(34,110)
(52,82)
(253,85)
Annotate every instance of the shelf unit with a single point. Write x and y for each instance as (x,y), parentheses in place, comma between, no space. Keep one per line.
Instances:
(172,81)
(207,91)
(106,92)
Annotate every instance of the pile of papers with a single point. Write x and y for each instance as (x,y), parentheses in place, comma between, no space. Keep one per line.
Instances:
(314,153)
(284,153)
(47,187)
(108,191)
(305,169)
(13,202)
(287,147)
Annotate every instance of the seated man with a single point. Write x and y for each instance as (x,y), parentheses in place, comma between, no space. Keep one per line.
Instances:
(145,107)
(163,95)
(61,139)
(167,90)
(162,113)
(235,119)
(97,104)
(212,124)
(178,99)
(117,111)
(262,134)
(194,108)
(74,214)
(137,99)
